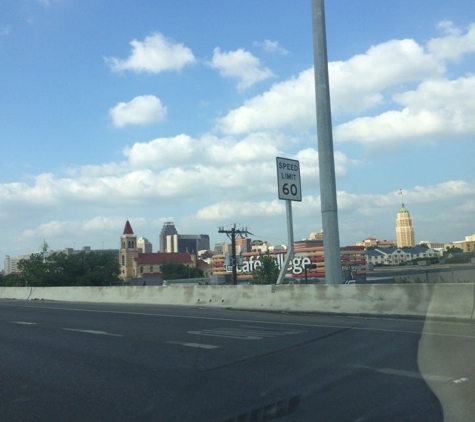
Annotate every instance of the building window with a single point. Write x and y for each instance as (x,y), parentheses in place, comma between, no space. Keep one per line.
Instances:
(151,268)
(123,260)
(141,270)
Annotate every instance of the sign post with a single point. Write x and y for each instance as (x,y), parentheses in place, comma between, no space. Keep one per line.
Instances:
(290,189)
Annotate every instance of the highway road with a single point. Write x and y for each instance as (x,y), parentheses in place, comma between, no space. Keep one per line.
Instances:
(91,362)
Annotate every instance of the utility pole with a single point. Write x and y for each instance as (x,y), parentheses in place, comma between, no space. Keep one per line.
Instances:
(232,233)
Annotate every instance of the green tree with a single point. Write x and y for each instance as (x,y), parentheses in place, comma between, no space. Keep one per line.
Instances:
(267,272)
(13,280)
(460,258)
(177,271)
(34,270)
(60,269)
(453,249)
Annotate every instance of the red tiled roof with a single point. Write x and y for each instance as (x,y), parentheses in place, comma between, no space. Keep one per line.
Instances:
(128,228)
(202,265)
(163,257)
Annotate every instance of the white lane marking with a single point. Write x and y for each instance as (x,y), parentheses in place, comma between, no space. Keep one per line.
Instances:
(404,373)
(102,333)
(224,334)
(460,380)
(199,345)
(299,324)
(24,322)
(274,331)
(249,332)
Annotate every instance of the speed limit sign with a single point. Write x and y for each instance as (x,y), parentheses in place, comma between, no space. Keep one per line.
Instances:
(288,179)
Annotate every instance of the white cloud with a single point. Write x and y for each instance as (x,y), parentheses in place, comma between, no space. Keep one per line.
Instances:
(359,83)
(69,229)
(141,110)
(155,54)
(209,150)
(436,109)
(455,44)
(356,85)
(271,47)
(167,169)
(367,207)
(309,164)
(232,209)
(290,103)
(241,65)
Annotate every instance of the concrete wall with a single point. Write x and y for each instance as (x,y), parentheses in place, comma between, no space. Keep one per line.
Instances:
(434,300)
(451,274)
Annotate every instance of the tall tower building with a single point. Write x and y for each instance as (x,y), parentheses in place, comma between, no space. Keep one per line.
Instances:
(128,252)
(404,229)
(167,230)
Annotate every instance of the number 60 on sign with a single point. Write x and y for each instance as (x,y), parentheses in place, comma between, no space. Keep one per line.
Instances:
(288,179)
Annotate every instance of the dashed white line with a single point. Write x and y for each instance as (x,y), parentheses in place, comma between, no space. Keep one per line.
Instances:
(460,380)
(246,333)
(198,345)
(24,322)
(408,374)
(225,334)
(102,333)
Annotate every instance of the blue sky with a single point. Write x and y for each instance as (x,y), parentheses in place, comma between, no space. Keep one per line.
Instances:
(175,111)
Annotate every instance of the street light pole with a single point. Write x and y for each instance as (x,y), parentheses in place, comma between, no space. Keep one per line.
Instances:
(326,160)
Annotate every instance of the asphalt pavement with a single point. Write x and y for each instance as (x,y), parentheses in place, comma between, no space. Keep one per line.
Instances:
(93,362)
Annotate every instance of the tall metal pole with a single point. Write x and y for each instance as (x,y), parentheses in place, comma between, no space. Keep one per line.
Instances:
(331,238)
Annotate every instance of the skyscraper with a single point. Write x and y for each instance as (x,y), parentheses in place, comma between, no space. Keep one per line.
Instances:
(167,229)
(404,229)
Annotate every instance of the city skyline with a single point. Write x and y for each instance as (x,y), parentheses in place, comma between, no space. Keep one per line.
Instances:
(176,111)
(143,240)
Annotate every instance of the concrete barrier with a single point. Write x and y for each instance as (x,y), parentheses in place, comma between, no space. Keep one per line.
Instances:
(22,293)
(433,300)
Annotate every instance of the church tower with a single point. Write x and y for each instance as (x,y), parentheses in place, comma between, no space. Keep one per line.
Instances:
(128,252)
(404,229)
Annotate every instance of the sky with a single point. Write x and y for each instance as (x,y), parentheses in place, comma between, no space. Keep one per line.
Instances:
(176,111)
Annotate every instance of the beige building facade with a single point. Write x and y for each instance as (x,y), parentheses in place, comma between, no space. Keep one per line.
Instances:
(128,252)
(136,264)
(404,229)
